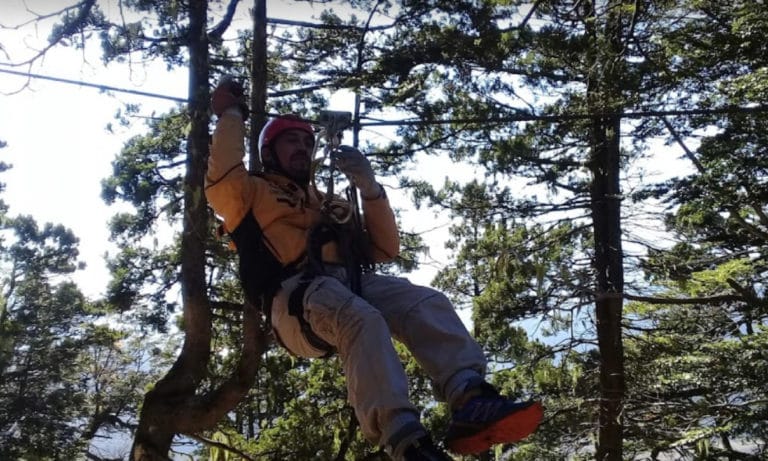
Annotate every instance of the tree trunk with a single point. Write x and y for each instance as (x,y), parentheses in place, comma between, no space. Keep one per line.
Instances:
(174,406)
(258,81)
(606,216)
(160,415)
(604,96)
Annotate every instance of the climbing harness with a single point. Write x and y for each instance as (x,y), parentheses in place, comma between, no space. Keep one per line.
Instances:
(262,274)
(337,224)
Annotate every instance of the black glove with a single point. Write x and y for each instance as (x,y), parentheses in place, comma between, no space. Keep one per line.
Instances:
(228,93)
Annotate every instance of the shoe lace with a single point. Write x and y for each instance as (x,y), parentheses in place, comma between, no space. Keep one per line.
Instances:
(484,408)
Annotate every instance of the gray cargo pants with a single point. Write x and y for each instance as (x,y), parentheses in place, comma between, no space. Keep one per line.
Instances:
(362,327)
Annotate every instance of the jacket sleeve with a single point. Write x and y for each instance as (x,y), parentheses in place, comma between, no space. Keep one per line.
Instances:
(228,188)
(382,229)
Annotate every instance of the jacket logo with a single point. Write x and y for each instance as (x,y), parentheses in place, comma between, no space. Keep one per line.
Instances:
(289,194)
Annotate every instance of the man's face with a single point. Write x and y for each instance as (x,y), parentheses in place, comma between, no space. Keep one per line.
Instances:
(293,149)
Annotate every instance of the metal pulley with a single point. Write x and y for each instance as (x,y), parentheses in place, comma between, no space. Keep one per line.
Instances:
(332,124)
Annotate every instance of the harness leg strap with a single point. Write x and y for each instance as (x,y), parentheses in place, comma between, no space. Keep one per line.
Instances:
(296,309)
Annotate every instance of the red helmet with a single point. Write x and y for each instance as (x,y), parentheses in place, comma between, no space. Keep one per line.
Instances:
(277,125)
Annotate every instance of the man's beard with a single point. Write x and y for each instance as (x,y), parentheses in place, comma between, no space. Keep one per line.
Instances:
(300,169)
(297,175)
(301,178)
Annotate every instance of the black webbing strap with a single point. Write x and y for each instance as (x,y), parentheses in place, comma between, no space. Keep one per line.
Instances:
(318,236)
(296,309)
(260,271)
(262,274)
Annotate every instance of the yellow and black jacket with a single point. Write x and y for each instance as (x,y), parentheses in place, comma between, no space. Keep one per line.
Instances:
(284,211)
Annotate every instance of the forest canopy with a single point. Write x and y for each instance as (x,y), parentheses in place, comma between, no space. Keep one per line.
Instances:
(631,303)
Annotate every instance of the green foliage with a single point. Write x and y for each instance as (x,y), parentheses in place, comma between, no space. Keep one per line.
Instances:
(521,238)
(76,24)
(148,174)
(61,381)
(560,61)
(298,410)
(158,34)
(695,387)
(696,380)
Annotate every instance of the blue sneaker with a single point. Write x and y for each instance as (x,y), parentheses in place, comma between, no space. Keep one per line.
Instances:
(490,418)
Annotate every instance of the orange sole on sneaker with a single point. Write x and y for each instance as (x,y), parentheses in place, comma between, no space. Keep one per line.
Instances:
(513,428)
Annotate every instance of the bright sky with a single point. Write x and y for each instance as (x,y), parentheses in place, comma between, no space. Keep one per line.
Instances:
(59,146)
(60,149)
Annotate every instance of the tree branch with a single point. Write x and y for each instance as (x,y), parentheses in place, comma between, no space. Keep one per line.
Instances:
(39,17)
(216,33)
(718,299)
(750,228)
(322,26)
(679,140)
(69,28)
(222,445)
(204,412)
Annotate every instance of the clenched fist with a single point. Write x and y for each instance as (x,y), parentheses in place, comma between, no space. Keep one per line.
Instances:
(228,93)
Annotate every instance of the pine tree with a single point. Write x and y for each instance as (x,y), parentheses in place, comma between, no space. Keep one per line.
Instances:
(701,345)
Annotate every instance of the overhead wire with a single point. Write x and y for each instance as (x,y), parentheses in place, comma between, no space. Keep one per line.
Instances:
(527,117)
(522,117)
(93,85)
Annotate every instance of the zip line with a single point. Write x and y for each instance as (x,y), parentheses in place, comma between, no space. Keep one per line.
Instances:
(523,117)
(562,117)
(93,85)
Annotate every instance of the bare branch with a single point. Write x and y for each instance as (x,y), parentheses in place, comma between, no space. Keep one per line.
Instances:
(221,445)
(679,140)
(70,27)
(39,17)
(316,25)
(216,33)
(528,16)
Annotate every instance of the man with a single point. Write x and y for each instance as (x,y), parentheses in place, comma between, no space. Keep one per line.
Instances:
(314,311)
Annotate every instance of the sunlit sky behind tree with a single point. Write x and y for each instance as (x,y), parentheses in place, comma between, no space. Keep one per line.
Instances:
(58,139)
(60,147)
